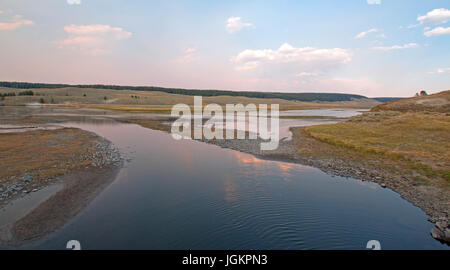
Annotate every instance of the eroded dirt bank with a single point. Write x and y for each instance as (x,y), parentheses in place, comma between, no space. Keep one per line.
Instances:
(80,161)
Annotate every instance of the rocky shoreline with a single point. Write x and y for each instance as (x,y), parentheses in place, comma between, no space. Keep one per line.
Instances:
(105,155)
(428,198)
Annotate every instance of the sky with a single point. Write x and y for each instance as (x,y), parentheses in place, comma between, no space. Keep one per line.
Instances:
(371,47)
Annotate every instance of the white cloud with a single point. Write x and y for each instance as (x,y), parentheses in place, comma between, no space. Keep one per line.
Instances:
(436,16)
(374,2)
(74,2)
(288,59)
(94,39)
(396,47)
(440,71)
(188,56)
(307,74)
(235,24)
(190,50)
(438,31)
(15,23)
(363,34)
(1,11)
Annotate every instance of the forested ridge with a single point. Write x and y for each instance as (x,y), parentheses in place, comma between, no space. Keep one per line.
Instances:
(195,92)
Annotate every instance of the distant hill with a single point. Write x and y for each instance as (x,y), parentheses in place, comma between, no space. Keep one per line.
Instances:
(386,99)
(306,97)
(439,102)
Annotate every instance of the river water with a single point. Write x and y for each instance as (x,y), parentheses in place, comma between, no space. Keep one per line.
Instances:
(192,195)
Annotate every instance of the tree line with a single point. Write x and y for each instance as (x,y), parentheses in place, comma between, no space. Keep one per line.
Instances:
(324,97)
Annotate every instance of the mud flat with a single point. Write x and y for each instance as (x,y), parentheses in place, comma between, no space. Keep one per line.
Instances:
(79,188)
(48,178)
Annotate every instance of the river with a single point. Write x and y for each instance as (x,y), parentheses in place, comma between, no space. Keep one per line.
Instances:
(192,195)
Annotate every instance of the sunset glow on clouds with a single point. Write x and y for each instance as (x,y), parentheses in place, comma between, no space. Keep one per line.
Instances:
(299,46)
(93,39)
(303,58)
(16,22)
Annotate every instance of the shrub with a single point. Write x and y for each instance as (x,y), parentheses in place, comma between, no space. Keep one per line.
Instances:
(42,101)
(12,94)
(26,93)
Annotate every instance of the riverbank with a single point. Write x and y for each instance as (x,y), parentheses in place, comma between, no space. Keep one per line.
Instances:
(79,188)
(405,151)
(47,177)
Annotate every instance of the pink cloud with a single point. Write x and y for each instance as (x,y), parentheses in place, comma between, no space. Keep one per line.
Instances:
(97,29)
(287,54)
(84,41)
(16,23)
(95,39)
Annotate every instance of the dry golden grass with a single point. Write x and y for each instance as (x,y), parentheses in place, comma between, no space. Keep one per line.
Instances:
(414,142)
(136,108)
(439,102)
(44,153)
(150,101)
(156,124)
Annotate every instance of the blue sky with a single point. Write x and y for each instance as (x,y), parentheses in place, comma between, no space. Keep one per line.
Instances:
(390,48)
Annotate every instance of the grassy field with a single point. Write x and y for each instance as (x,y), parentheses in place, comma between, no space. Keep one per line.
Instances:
(160,102)
(44,153)
(439,102)
(411,136)
(415,143)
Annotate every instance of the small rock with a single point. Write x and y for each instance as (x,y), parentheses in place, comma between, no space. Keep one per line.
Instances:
(441,225)
(383,185)
(447,235)
(27,178)
(437,234)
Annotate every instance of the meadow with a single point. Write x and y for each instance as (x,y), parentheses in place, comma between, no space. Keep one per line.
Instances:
(154,101)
